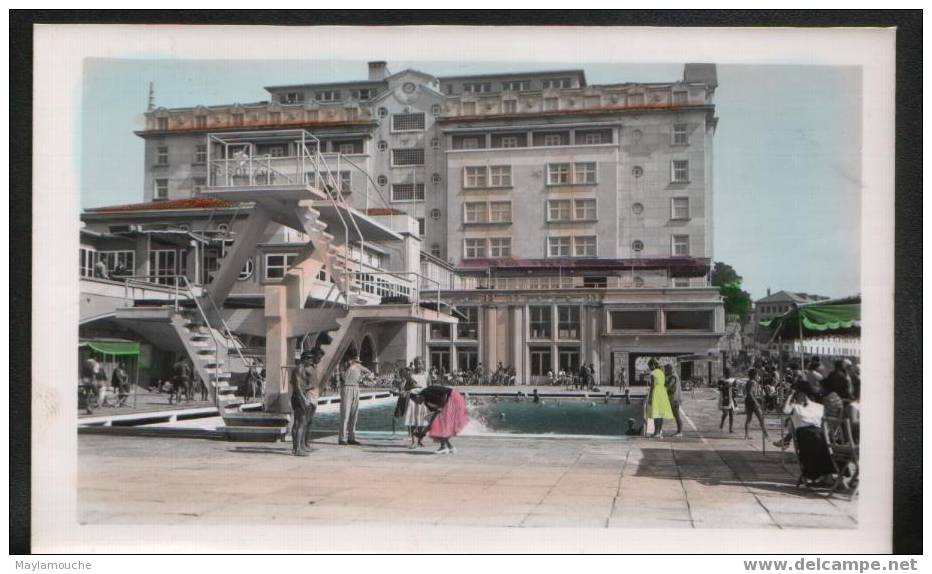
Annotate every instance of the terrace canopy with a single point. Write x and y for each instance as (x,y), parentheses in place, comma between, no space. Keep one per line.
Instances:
(834,317)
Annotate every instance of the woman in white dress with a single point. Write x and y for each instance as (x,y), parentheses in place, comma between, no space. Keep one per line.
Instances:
(416,414)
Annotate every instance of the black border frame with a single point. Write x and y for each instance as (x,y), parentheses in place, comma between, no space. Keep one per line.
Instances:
(907,496)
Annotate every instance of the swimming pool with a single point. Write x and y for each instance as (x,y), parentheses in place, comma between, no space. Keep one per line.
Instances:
(505,415)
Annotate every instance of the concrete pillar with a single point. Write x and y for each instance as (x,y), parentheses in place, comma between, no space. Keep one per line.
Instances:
(490,338)
(516,338)
(142,255)
(243,249)
(277,350)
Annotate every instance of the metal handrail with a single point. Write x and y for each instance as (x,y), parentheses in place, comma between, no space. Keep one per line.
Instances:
(176,296)
(227,332)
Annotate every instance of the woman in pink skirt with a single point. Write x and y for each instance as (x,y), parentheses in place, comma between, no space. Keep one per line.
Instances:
(449,415)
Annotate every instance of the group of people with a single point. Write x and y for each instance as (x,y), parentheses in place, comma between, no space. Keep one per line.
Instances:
(581,378)
(102,272)
(428,410)
(94,390)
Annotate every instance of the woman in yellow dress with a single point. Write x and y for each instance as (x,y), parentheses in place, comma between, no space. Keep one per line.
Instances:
(658,403)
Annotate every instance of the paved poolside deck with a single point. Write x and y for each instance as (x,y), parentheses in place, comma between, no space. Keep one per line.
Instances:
(707,479)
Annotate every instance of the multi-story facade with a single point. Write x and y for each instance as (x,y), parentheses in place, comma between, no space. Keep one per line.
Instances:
(570,223)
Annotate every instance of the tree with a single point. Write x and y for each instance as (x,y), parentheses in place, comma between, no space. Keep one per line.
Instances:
(723,274)
(737,301)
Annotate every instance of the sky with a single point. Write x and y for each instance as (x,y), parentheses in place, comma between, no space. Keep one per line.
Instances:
(787,150)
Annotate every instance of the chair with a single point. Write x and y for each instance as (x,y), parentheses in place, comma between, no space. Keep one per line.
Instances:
(845,451)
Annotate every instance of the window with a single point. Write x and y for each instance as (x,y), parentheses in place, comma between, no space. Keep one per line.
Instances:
(114,259)
(590,282)
(637,246)
(540,361)
(238,119)
(558,173)
(291,98)
(407,192)
(558,246)
(680,97)
(584,173)
(276,150)
(200,121)
(500,211)
(200,154)
(435,214)
(163,265)
(500,176)
(510,106)
(347,148)
(435,143)
(474,212)
(439,331)
(346,182)
(161,189)
(470,143)
(559,210)
(382,180)
(383,112)
(475,176)
(407,122)
(327,96)
(248,270)
(276,264)
(87,262)
(467,359)
(680,245)
(516,86)
(436,109)
(362,94)
(500,247)
(420,226)
(436,178)
(637,208)
(568,359)
(680,282)
(539,322)
(161,155)
(637,171)
(585,210)
(680,134)
(634,320)
(473,248)
(557,83)
(568,322)
(383,145)
(199,184)
(162,123)
(592,138)
(477,88)
(688,320)
(403,157)
(679,208)
(584,246)
(435,250)
(680,171)
(509,141)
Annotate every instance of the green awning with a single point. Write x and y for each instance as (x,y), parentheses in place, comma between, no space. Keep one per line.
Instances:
(830,317)
(119,348)
(834,316)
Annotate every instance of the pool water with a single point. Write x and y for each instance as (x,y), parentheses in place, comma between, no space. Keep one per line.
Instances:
(505,415)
